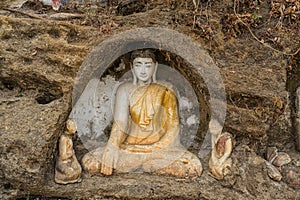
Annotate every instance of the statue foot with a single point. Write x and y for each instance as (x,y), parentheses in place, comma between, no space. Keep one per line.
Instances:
(188,166)
(90,164)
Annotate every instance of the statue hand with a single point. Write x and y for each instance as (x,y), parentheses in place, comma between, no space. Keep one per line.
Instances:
(109,160)
(138,148)
(157,147)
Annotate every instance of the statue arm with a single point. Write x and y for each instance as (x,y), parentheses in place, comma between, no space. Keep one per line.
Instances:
(117,135)
(121,113)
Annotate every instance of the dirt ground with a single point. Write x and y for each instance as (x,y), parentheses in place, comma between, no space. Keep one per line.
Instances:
(255,44)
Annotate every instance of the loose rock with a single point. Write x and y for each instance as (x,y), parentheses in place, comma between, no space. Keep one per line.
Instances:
(273,172)
(272,153)
(282,159)
(293,179)
(297,163)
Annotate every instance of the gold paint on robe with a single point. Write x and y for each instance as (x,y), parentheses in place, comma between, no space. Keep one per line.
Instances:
(153,112)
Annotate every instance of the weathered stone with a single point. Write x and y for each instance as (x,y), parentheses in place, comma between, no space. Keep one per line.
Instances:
(273,172)
(282,159)
(251,125)
(296,163)
(272,154)
(65,16)
(293,178)
(33,51)
(245,180)
(28,138)
(128,7)
(35,98)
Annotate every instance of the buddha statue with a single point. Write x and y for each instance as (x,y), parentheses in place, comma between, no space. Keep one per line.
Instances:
(220,162)
(145,131)
(67,169)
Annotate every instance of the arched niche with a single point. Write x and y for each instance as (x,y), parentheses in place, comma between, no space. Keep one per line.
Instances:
(173,49)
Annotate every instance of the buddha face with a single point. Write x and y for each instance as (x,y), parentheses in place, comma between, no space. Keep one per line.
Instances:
(143,68)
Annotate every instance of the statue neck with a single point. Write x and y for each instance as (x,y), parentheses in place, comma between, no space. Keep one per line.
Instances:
(143,83)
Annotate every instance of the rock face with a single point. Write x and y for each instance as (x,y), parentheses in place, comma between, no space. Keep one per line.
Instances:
(39,60)
(34,102)
(29,133)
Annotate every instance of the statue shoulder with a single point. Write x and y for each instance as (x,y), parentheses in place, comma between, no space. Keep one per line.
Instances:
(124,88)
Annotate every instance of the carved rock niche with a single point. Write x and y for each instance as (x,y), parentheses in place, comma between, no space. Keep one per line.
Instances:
(182,63)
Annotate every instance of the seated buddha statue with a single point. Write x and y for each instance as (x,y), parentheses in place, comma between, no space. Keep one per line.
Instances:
(67,168)
(145,131)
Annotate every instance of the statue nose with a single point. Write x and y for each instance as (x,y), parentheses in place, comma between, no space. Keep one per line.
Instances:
(143,70)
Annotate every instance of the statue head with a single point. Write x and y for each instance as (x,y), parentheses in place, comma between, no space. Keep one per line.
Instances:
(71,126)
(144,66)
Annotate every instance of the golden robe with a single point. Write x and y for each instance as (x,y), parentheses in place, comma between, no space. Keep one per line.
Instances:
(154,116)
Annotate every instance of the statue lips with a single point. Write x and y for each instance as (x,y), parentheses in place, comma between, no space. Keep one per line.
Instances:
(144,76)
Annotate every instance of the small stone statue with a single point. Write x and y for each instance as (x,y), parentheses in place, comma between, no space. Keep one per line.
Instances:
(67,169)
(145,131)
(297,118)
(220,162)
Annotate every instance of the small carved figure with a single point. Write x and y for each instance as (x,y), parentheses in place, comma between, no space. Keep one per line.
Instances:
(67,169)
(220,162)
(145,131)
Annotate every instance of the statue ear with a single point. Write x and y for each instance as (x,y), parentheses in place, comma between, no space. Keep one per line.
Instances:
(133,75)
(154,73)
